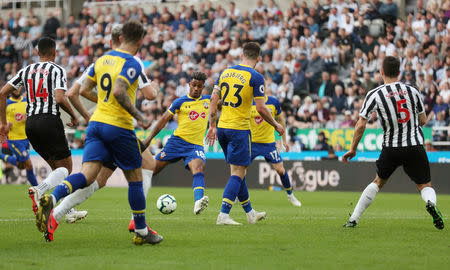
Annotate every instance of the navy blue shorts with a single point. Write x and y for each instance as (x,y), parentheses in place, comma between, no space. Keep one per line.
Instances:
(20,149)
(108,143)
(236,145)
(176,148)
(267,150)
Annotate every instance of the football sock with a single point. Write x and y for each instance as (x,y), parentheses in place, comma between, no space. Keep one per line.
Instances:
(230,193)
(71,184)
(31,177)
(286,183)
(244,197)
(73,200)
(146,180)
(53,179)
(199,186)
(10,159)
(428,194)
(137,203)
(365,200)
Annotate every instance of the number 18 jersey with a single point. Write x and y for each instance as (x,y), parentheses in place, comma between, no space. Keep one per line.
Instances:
(114,64)
(239,85)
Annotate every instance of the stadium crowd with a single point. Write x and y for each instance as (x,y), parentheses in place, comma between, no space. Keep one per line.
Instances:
(318,59)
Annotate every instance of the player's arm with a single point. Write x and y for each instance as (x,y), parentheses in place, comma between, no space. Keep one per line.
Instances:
(4,93)
(423,119)
(74,98)
(212,131)
(87,90)
(282,121)
(359,131)
(267,116)
(167,116)
(120,93)
(60,97)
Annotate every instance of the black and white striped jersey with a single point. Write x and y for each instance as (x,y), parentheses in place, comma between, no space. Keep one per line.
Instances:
(40,80)
(398,107)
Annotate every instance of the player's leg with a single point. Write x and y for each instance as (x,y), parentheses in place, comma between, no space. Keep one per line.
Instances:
(9,159)
(284,176)
(197,167)
(417,167)
(28,166)
(20,150)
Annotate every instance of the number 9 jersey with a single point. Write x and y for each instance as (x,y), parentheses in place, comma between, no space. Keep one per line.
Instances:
(238,85)
(114,64)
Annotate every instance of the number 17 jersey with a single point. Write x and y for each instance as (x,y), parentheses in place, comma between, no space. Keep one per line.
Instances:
(114,64)
(239,85)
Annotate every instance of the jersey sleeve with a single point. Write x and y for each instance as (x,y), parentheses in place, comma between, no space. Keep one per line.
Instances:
(143,80)
(257,82)
(83,76)
(176,105)
(369,105)
(130,71)
(419,105)
(91,73)
(60,79)
(16,81)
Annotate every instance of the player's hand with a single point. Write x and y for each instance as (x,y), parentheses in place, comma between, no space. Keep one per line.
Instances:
(211,136)
(348,156)
(145,123)
(280,129)
(73,122)
(286,146)
(155,87)
(4,130)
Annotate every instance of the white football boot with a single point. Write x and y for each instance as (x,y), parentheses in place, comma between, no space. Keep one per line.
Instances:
(253,216)
(294,201)
(201,205)
(73,215)
(225,219)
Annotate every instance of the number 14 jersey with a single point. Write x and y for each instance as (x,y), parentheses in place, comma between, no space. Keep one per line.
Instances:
(114,64)
(239,85)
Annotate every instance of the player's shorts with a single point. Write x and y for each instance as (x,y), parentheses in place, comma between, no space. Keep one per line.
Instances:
(108,143)
(176,148)
(113,166)
(236,145)
(20,149)
(46,134)
(413,159)
(6,151)
(267,150)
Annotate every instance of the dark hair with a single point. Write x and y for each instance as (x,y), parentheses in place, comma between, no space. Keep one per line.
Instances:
(46,46)
(252,50)
(391,66)
(132,31)
(199,76)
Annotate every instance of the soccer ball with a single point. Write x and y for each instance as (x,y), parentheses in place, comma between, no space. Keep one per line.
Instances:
(166,204)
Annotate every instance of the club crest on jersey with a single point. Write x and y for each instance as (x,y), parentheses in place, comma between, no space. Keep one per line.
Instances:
(205,104)
(193,115)
(259,120)
(19,117)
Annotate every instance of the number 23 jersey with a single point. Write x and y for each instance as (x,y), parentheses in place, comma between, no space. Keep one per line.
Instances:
(114,64)
(239,85)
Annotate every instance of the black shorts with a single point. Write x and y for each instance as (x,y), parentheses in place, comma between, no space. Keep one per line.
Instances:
(413,159)
(113,166)
(46,134)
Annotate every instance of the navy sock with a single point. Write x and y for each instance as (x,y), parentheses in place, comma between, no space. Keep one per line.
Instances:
(69,185)
(230,193)
(244,197)
(10,159)
(136,199)
(199,186)
(286,183)
(31,177)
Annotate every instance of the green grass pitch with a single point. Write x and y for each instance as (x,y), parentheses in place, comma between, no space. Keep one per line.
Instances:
(395,233)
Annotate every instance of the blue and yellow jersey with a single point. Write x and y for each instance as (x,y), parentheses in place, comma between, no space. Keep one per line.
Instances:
(192,118)
(114,64)
(16,112)
(239,85)
(263,132)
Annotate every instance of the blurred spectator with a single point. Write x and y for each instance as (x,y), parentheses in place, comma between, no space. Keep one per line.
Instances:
(322,144)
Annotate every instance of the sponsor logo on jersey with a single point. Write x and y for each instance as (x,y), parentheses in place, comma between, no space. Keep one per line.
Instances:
(193,115)
(19,117)
(203,115)
(259,120)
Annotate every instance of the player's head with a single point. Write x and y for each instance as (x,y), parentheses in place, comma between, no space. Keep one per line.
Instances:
(252,52)
(116,32)
(197,84)
(132,33)
(390,67)
(47,48)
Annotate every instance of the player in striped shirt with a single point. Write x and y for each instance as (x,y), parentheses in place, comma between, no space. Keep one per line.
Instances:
(402,114)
